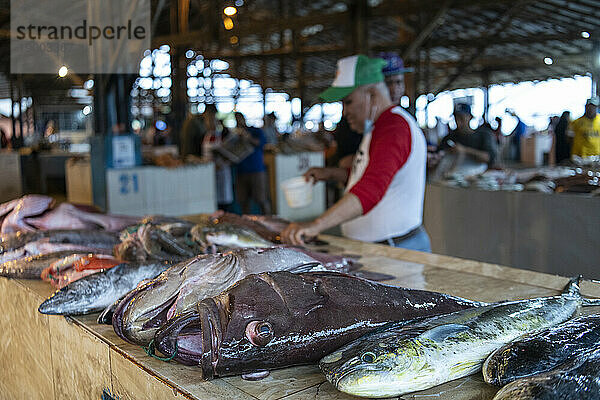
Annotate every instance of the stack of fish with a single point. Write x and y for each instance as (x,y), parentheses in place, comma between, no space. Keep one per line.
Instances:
(35,212)
(401,357)
(251,305)
(27,254)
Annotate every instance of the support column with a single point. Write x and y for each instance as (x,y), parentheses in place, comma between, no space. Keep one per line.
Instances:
(358,11)
(13,139)
(486,95)
(596,69)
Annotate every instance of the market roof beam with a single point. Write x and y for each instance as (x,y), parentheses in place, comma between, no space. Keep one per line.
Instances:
(426,32)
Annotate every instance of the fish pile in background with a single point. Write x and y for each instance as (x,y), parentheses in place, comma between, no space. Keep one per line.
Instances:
(226,296)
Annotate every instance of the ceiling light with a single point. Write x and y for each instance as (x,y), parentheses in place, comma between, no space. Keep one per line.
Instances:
(585,35)
(229,11)
(548,61)
(62,72)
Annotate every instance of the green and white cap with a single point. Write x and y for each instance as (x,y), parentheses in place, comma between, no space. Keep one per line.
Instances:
(352,72)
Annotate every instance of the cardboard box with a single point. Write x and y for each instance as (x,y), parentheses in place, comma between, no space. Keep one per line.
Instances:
(11,185)
(78,176)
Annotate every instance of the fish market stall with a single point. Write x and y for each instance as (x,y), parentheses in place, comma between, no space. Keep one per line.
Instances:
(50,357)
(552,232)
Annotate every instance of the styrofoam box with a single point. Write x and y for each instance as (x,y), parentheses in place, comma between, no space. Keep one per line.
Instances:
(157,190)
(11,186)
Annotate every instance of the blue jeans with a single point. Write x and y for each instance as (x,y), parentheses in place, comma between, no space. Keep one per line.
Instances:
(419,242)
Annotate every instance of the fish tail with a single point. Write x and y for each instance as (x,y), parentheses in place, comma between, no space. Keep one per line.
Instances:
(572,288)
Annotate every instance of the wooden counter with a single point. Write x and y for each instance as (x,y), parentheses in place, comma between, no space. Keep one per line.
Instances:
(50,357)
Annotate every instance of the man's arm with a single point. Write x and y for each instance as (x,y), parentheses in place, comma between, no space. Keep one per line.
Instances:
(327,174)
(347,208)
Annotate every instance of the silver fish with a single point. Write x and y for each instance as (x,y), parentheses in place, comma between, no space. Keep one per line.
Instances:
(145,309)
(402,358)
(96,292)
(577,379)
(228,235)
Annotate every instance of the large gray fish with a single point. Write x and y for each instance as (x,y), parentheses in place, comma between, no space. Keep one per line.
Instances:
(146,308)
(541,351)
(576,379)
(31,267)
(278,319)
(402,358)
(96,292)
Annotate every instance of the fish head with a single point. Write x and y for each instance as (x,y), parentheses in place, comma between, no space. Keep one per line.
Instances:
(250,326)
(145,308)
(376,366)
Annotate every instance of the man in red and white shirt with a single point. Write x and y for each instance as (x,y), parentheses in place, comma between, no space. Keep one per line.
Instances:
(385,187)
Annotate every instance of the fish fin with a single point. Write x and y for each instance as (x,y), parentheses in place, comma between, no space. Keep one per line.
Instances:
(440,333)
(307,267)
(572,288)
(255,376)
(372,276)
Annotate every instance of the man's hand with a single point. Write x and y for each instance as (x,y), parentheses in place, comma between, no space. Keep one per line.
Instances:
(326,174)
(296,232)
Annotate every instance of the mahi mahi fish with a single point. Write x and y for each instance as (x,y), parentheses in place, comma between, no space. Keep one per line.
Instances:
(96,292)
(180,287)
(278,319)
(402,358)
(541,351)
(576,379)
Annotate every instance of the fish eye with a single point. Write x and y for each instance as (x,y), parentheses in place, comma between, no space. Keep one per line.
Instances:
(259,333)
(264,328)
(368,357)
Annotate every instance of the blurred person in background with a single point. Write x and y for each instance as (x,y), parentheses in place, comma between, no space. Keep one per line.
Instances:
(393,73)
(269,129)
(383,201)
(515,136)
(562,147)
(464,141)
(3,139)
(251,183)
(213,137)
(586,129)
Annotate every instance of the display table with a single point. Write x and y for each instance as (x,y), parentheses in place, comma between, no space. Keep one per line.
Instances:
(52,357)
(554,233)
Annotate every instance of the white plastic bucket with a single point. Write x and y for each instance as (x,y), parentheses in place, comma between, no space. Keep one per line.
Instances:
(298,192)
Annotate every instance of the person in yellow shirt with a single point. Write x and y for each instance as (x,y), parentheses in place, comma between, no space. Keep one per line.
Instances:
(587,131)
